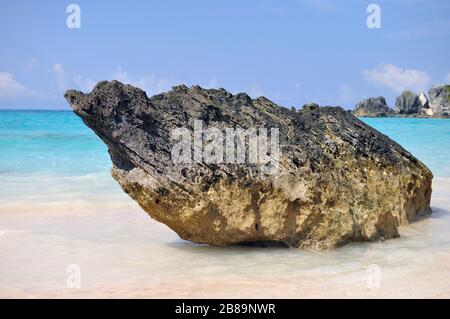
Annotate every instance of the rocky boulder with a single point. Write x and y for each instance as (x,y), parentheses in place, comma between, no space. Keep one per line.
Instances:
(335,180)
(424,105)
(440,100)
(408,103)
(310,106)
(372,107)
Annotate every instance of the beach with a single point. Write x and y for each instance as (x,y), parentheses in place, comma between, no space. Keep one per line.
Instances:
(59,207)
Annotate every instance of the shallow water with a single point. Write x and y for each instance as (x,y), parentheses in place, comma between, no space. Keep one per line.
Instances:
(426,139)
(59,207)
(123,253)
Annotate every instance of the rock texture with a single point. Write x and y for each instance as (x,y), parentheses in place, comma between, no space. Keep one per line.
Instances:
(424,105)
(373,107)
(408,103)
(440,100)
(339,179)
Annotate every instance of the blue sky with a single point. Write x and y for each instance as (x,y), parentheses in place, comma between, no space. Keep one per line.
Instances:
(292,52)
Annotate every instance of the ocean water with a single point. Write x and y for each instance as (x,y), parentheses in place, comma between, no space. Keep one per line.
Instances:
(57,142)
(54,142)
(52,155)
(59,206)
(426,139)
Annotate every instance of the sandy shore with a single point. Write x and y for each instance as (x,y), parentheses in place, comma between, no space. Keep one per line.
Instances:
(121,252)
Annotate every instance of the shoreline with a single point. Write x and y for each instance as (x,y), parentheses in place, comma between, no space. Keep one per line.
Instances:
(404,116)
(421,116)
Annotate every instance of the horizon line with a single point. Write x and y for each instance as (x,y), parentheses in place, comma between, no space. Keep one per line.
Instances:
(35,109)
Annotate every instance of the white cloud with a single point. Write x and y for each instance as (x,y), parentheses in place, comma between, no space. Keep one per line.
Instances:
(85,84)
(60,74)
(447,78)
(122,76)
(212,83)
(9,87)
(150,83)
(256,91)
(396,78)
(153,84)
(66,80)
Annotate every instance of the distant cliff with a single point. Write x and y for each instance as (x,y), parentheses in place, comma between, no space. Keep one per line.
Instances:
(440,100)
(408,104)
(373,107)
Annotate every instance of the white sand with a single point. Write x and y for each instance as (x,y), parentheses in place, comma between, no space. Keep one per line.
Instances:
(123,253)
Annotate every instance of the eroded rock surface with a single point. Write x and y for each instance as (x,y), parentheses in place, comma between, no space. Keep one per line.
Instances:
(373,107)
(424,105)
(440,100)
(408,103)
(339,180)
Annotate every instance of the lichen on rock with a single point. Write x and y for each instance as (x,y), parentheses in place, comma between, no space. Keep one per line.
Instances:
(339,180)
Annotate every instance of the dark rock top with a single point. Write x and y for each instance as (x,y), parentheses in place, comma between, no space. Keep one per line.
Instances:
(311,107)
(373,107)
(408,104)
(338,179)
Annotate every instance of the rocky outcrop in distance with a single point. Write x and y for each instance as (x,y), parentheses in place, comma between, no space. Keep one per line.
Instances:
(439,102)
(409,104)
(373,107)
(338,180)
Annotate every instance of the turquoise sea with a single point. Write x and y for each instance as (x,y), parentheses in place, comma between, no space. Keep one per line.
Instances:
(57,142)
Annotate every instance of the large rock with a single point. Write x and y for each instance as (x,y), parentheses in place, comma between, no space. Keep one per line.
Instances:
(373,107)
(338,179)
(424,105)
(440,100)
(408,103)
